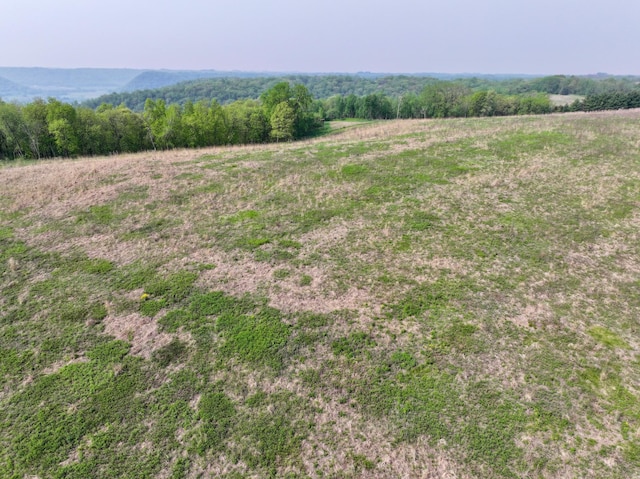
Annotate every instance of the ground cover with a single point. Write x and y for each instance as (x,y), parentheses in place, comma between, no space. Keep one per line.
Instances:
(451,298)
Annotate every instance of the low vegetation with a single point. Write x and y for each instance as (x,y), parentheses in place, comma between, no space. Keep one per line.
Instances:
(441,298)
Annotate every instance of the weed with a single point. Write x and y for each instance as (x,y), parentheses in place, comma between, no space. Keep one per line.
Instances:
(173,288)
(101,215)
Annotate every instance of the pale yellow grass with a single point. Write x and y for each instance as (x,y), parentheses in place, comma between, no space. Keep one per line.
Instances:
(561,100)
(343,437)
(140,331)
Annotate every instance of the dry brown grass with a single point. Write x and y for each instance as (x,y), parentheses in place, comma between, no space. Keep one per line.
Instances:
(344,438)
(141,332)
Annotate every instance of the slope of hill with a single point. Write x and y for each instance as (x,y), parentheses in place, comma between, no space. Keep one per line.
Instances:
(154,79)
(226,90)
(453,298)
(66,84)
(9,89)
(81,78)
(230,87)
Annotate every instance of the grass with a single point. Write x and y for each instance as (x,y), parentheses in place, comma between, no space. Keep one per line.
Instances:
(456,298)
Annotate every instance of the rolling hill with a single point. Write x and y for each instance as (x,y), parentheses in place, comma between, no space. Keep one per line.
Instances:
(401,299)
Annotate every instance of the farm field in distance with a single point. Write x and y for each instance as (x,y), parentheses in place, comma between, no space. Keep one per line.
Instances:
(398,299)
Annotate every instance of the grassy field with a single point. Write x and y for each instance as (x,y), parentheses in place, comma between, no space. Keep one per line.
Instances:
(428,299)
(561,100)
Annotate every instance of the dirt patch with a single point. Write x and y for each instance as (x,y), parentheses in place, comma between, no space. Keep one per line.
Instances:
(142,332)
(533,315)
(239,274)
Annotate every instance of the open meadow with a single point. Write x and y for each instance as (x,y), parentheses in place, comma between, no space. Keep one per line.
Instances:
(401,299)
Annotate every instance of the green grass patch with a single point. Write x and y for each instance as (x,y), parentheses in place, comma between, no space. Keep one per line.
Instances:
(217,413)
(257,339)
(353,345)
(354,171)
(172,288)
(607,337)
(514,145)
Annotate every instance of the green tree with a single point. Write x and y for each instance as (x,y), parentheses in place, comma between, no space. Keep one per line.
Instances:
(65,136)
(62,123)
(14,141)
(333,107)
(41,142)
(299,101)
(127,131)
(278,93)
(444,99)
(92,133)
(172,136)
(259,126)
(155,117)
(283,122)
(195,124)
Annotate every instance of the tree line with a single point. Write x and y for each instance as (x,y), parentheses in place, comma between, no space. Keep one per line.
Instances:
(48,129)
(438,100)
(621,100)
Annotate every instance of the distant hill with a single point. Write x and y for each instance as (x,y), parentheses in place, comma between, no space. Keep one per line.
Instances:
(153,79)
(133,86)
(158,79)
(24,84)
(226,90)
(10,89)
(70,77)
(63,83)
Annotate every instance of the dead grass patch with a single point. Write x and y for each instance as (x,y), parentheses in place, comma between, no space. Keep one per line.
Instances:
(141,331)
(346,443)
(240,275)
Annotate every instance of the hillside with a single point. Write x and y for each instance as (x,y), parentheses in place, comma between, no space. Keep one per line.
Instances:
(231,87)
(401,299)
(12,89)
(94,86)
(154,79)
(67,84)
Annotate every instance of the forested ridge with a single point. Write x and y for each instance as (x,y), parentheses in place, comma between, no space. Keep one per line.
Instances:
(283,111)
(227,90)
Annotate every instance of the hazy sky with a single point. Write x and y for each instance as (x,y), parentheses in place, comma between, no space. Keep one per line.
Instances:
(483,36)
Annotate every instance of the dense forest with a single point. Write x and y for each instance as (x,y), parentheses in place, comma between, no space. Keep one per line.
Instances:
(227,90)
(282,112)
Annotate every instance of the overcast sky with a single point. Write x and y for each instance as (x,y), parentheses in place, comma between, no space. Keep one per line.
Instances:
(454,36)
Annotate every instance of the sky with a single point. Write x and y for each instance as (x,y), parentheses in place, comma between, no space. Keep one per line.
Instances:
(394,36)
